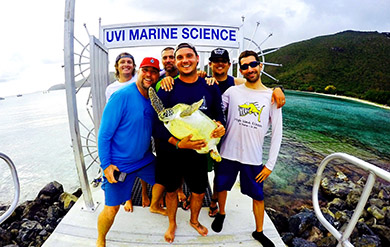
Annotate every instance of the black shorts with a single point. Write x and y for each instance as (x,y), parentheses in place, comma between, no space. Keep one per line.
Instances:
(173,165)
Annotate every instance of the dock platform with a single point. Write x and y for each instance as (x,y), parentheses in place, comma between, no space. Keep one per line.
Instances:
(142,228)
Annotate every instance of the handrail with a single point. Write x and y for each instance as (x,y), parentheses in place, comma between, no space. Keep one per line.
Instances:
(11,209)
(374,172)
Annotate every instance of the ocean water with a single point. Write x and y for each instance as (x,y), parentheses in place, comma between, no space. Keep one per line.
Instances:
(34,133)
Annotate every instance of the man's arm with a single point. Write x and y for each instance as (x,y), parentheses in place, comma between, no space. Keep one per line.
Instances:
(278,97)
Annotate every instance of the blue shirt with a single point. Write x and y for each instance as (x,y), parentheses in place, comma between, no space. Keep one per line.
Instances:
(125,130)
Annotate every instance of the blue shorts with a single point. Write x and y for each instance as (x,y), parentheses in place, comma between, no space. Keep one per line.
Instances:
(226,174)
(118,193)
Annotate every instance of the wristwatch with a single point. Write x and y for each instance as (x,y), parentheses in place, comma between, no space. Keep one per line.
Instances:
(279,86)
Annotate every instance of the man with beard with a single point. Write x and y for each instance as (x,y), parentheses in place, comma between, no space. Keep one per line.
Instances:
(249,115)
(124,145)
(178,159)
(220,64)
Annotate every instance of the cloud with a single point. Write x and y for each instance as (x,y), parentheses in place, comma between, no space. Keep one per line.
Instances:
(31,46)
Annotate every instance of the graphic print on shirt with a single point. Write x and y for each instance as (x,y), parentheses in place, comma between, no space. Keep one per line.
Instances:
(251,108)
(204,105)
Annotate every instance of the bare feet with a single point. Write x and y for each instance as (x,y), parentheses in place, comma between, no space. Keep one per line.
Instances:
(199,228)
(158,210)
(170,234)
(100,243)
(129,206)
(145,201)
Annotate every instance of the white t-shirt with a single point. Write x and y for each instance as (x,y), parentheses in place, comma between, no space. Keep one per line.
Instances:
(117,85)
(249,116)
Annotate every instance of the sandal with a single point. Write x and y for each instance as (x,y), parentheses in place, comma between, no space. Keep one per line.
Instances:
(186,204)
(213,211)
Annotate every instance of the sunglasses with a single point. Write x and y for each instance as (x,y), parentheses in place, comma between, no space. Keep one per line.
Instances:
(252,64)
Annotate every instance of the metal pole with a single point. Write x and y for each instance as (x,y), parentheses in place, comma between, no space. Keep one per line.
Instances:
(15,177)
(72,105)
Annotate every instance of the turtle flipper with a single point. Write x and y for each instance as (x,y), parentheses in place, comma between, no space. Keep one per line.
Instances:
(191,109)
(214,154)
(155,101)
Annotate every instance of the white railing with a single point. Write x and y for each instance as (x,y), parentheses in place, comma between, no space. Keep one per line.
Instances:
(11,209)
(373,171)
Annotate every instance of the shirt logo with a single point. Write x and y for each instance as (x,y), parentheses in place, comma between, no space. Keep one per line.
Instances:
(249,109)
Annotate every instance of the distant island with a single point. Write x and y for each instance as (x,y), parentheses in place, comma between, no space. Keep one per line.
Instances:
(78,83)
(349,63)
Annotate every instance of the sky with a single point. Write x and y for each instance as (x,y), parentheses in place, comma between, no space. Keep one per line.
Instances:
(32,32)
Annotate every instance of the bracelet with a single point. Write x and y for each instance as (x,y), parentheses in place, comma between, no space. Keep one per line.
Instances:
(177,144)
(279,86)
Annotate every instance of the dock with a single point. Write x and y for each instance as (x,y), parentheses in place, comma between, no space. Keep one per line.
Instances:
(142,228)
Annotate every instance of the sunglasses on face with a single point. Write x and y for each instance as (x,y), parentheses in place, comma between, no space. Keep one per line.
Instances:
(252,64)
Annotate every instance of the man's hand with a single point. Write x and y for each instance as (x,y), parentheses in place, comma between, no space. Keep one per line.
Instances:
(219,131)
(201,73)
(211,81)
(186,143)
(167,83)
(278,97)
(109,173)
(263,174)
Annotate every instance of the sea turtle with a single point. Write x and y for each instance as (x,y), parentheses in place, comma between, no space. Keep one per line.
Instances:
(182,120)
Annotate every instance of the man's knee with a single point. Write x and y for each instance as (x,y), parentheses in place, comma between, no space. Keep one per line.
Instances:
(171,195)
(110,211)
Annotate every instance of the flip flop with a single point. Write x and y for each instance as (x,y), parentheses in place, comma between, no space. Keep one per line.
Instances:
(186,204)
(213,211)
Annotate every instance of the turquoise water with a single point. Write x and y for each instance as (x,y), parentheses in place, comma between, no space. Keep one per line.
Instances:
(34,133)
(316,126)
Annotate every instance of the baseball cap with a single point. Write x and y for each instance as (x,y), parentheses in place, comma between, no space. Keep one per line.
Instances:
(219,53)
(150,62)
(185,45)
(122,55)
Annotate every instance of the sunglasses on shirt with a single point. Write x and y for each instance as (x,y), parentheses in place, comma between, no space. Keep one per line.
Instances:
(252,64)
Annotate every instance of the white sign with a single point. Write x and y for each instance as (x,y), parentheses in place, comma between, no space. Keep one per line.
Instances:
(141,35)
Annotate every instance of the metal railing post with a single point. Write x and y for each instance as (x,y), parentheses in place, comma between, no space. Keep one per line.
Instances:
(72,105)
(15,177)
(373,171)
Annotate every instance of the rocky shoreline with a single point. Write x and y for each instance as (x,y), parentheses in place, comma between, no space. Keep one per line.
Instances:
(339,199)
(33,221)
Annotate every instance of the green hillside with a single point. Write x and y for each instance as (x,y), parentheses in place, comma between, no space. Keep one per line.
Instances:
(349,63)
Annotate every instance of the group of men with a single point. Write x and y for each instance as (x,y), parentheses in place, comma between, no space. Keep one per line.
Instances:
(129,121)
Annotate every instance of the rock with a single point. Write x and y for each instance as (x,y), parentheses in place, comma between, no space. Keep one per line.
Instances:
(29,230)
(302,221)
(31,209)
(328,241)
(384,193)
(300,242)
(287,237)
(280,220)
(315,235)
(5,236)
(376,212)
(377,202)
(68,200)
(78,193)
(383,232)
(353,198)
(335,188)
(364,229)
(337,203)
(368,241)
(53,190)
